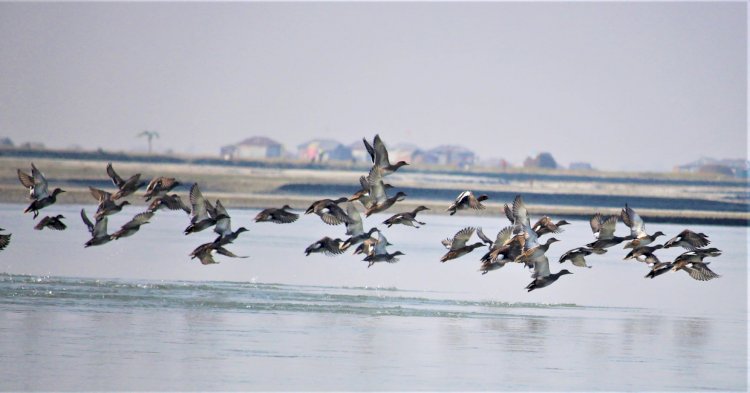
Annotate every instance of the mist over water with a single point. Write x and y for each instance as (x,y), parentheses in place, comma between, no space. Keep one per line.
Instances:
(138,314)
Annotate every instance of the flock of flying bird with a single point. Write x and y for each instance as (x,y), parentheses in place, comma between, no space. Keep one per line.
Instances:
(518,242)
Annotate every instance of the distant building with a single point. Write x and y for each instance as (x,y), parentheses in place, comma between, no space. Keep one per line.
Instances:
(727,167)
(580,166)
(403,152)
(359,152)
(449,155)
(543,160)
(6,142)
(322,150)
(254,148)
(32,146)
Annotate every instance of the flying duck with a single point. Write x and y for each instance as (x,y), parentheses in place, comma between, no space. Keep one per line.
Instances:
(372,189)
(124,187)
(604,232)
(329,211)
(277,216)
(545,226)
(644,254)
(133,225)
(577,256)
(107,205)
(203,215)
(379,155)
(379,252)
(326,245)
(504,249)
(533,253)
(637,229)
(689,240)
(51,222)
(36,183)
(355,229)
(406,218)
(457,244)
(377,208)
(542,276)
(697,270)
(98,232)
(160,186)
(204,251)
(466,200)
(171,202)
(659,268)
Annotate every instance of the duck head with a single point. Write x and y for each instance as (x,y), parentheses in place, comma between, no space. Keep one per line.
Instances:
(286,207)
(400,196)
(564,272)
(372,230)
(420,208)
(397,253)
(57,191)
(658,233)
(562,222)
(551,240)
(241,229)
(400,164)
(341,200)
(59,216)
(482,197)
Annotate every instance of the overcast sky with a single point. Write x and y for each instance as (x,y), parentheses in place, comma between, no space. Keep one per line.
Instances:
(623,86)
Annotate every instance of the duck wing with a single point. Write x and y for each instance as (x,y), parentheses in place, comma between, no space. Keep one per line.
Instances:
(40,182)
(504,235)
(227,253)
(541,267)
(689,240)
(381,153)
(508,213)
(223,225)
(634,222)
(607,229)
(88,222)
(116,179)
(138,220)
(520,213)
(199,210)
(370,149)
(4,241)
(461,237)
(596,222)
(100,228)
(699,271)
(355,227)
(484,237)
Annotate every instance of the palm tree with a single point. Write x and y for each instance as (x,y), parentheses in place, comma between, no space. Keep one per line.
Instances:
(150,135)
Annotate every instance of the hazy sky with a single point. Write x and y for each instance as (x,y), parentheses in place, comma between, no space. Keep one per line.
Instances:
(623,86)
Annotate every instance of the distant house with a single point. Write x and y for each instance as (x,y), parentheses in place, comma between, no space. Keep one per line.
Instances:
(449,155)
(580,166)
(728,167)
(322,150)
(6,142)
(32,146)
(542,160)
(359,152)
(254,148)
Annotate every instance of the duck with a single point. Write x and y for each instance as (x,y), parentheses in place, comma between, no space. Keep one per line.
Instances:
(379,155)
(372,189)
(689,240)
(160,186)
(604,232)
(36,182)
(124,187)
(51,222)
(533,253)
(466,200)
(329,211)
(4,239)
(326,245)
(659,268)
(204,253)
(40,204)
(502,250)
(277,216)
(203,214)
(377,208)
(457,244)
(132,226)
(170,202)
(542,276)
(355,229)
(379,253)
(644,254)
(406,218)
(697,270)
(698,255)
(107,205)
(577,256)
(545,226)
(637,229)
(367,246)
(98,232)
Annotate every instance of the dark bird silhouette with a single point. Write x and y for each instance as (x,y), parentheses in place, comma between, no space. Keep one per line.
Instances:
(277,216)
(51,222)
(124,187)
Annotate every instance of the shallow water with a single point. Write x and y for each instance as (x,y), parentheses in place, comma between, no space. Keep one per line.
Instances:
(138,314)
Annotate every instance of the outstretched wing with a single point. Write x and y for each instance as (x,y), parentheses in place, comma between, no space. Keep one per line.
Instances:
(116,179)
(461,237)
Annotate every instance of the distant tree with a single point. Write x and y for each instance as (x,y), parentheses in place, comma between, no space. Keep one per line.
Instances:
(543,160)
(150,135)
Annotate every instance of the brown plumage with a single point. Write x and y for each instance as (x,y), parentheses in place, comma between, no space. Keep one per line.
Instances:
(51,222)
(689,240)
(277,216)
